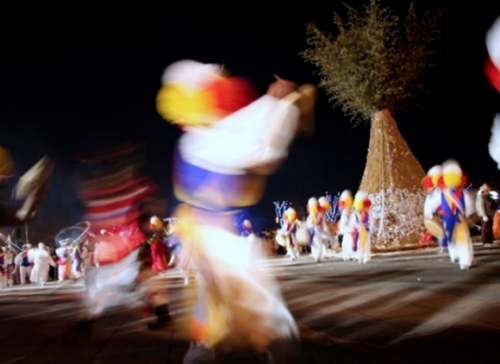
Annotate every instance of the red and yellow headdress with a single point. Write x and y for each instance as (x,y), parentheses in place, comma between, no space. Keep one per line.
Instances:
(197,94)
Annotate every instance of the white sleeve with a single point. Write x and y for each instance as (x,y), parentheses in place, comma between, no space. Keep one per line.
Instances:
(494,146)
(432,203)
(470,207)
(343,222)
(259,134)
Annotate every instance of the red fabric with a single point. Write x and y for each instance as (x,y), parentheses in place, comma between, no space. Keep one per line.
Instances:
(427,183)
(426,238)
(232,93)
(492,74)
(125,239)
(158,250)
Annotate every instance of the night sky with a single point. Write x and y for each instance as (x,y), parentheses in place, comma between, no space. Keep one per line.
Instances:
(79,77)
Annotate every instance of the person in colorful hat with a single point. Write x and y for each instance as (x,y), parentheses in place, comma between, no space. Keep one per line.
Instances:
(316,224)
(63,253)
(345,224)
(232,141)
(455,205)
(431,187)
(362,224)
(289,232)
(24,262)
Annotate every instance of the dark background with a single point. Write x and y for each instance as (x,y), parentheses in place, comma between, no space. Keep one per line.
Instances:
(81,77)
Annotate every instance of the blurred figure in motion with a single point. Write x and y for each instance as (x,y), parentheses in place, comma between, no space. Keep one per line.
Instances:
(486,207)
(455,205)
(345,224)
(158,242)
(77,263)
(63,253)
(29,189)
(119,202)
(24,263)
(3,267)
(231,143)
(41,264)
(246,229)
(287,235)
(362,227)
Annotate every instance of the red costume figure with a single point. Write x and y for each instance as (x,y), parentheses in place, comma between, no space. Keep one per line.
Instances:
(158,246)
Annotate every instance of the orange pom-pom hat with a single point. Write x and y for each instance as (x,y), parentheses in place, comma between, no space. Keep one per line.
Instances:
(290,215)
(155,223)
(362,201)
(312,206)
(324,204)
(345,200)
(453,176)
(433,175)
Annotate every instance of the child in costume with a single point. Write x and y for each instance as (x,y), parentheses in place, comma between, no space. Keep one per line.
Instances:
(221,162)
(345,224)
(455,206)
(361,225)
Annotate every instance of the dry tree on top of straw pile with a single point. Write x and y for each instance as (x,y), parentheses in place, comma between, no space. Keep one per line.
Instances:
(370,69)
(375,61)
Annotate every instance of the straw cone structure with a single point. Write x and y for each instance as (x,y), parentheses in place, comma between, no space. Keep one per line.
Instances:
(393,178)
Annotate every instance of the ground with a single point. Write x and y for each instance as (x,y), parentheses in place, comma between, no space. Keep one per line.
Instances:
(398,308)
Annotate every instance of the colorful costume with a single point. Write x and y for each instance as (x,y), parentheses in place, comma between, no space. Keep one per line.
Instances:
(346,228)
(3,268)
(455,205)
(431,187)
(158,242)
(63,253)
(220,167)
(317,226)
(24,263)
(362,227)
(77,265)
(287,235)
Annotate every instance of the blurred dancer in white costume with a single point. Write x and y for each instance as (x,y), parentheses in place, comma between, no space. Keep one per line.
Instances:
(41,264)
(229,147)
(345,227)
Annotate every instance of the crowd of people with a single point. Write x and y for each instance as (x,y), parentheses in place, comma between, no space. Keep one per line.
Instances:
(22,263)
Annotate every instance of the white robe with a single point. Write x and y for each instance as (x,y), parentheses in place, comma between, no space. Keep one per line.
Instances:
(41,265)
(345,229)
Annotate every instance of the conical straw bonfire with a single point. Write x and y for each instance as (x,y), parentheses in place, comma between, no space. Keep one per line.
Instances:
(371,69)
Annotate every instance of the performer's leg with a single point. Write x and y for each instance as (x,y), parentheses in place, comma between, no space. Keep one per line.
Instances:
(158,295)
